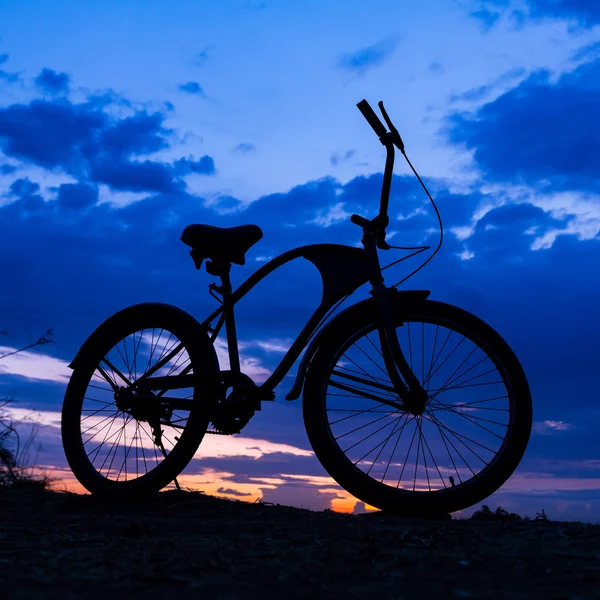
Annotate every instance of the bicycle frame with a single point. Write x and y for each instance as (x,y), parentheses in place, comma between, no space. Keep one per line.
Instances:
(343,270)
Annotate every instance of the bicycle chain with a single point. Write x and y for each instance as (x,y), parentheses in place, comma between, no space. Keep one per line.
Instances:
(217,432)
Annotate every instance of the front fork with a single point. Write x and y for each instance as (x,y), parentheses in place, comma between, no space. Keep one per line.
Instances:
(405,382)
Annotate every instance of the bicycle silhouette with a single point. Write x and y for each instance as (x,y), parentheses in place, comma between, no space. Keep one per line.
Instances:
(385,383)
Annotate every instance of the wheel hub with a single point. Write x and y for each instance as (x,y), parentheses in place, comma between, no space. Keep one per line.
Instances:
(140,408)
(417,401)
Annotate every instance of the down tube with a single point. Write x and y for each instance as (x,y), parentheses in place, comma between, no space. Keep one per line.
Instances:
(296,348)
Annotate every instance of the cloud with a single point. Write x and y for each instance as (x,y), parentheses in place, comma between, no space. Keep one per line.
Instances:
(551,427)
(366,58)
(232,492)
(5,75)
(585,12)
(435,67)
(540,133)
(9,77)
(202,57)
(7,169)
(244,148)
(26,192)
(487,17)
(203,166)
(85,141)
(52,82)
(506,80)
(587,53)
(76,196)
(33,365)
(509,231)
(336,159)
(192,87)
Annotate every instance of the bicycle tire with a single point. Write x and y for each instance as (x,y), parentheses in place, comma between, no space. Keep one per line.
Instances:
(141,317)
(378,493)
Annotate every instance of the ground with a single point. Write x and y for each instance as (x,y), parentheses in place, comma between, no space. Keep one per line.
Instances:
(177,544)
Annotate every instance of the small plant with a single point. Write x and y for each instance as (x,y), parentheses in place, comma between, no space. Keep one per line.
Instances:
(15,463)
(485,514)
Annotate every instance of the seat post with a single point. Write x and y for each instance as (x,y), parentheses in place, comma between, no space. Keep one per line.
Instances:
(232,345)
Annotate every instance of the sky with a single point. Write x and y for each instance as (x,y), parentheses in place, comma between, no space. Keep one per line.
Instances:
(123,122)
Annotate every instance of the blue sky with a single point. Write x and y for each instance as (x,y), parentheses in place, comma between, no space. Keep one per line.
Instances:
(123,122)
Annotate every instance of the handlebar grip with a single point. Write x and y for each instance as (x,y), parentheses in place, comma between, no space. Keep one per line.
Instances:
(358,220)
(371,117)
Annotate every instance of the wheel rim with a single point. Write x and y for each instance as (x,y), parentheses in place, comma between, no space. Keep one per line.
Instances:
(466,424)
(119,430)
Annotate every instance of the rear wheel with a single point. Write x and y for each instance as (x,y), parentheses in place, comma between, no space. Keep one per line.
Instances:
(123,442)
(466,444)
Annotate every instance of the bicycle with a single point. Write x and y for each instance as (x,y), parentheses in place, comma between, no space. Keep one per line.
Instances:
(161,384)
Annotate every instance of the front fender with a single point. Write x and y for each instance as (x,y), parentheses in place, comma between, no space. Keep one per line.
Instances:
(406,298)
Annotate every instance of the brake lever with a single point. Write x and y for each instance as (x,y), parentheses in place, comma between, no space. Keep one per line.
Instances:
(395,134)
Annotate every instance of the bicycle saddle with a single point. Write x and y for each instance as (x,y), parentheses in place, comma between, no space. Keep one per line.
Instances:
(222,244)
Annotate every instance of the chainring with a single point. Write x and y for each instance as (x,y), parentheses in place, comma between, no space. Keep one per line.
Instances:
(233,413)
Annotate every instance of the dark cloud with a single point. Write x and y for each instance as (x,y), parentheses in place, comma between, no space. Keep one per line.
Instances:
(5,75)
(246,469)
(87,143)
(136,177)
(587,52)
(52,82)
(202,57)
(435,67)
(585,12)
(76,196)
(244,148)
(503,231)
(541,133)
(336,159)
(365,58)
(487,17)
(256,5)
(7,169)
(9,77)
(26,192)
(480,92)
(203,166)
(232,492)
(192,87)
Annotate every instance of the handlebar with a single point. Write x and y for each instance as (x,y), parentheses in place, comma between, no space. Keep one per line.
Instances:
(372,118)
(385,137)
(389,140)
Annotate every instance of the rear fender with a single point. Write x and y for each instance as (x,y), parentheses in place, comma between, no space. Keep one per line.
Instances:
(406,298)
(86,354)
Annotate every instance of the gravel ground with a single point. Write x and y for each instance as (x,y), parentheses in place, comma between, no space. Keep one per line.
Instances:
(59,545)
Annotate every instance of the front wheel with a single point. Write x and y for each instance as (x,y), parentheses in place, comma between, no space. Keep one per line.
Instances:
(466,444)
